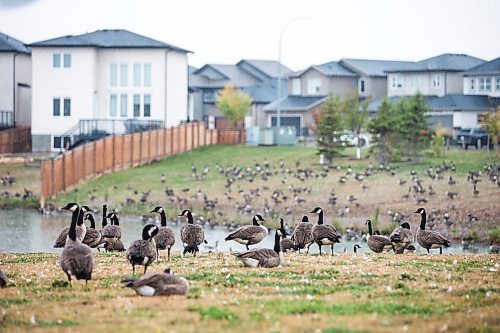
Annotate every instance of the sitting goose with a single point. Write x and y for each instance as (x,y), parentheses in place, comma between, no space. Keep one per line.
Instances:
(402,237)
(77,259)
(3,279)
(323,234)
(376,242)
(430,239)
(143,251)
(286,244)
(192,235)
(111,233)
(264,257)
(158,284)
(80,229)
(302,235)
(166,237)
(250,234)
(92,237)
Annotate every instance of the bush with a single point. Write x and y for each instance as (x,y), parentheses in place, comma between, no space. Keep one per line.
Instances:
(494,236)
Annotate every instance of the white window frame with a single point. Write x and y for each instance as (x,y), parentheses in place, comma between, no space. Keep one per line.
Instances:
(66,60)
(472,84)
(115,109)
(123,109)
(148,97)
(137,75)
(147,75)
(497,83)
(134,98)
(436,81)
(59,62)
(362,84)
(296,86)
(61,103)
(113,75)
(314,86)
(123,75)
(396,81)
(484,83)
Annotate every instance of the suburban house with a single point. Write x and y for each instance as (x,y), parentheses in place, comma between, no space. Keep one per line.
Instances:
(15,83)
(483,79)
(447,89)
(307,89)
(258,78)
(104,82)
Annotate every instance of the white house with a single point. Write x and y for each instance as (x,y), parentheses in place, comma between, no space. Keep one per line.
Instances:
(15,82)
(483,79)
(105,78)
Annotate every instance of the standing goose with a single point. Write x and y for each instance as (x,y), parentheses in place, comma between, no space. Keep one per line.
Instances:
(430,239)
(111,233)
(157,284)
(302,235)
(323,234)
(264,257)
(166,237)
(376,242)
(192,235)
(286,244)
(77,259)
(250,234)
(402,237)
(143,251)
(80,229)
(92,236)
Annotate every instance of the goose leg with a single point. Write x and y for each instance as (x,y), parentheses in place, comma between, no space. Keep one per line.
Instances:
(440,250)
(319,245)
(308,248)
(145,269)
(332,250)
(133,269)
(157,255)
(428,251)
(69,278)
(247,247)
(168,254)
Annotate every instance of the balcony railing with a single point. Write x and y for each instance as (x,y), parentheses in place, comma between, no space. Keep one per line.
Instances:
(6,119)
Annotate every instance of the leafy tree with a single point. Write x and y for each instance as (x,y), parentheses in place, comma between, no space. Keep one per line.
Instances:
(328,128)
(234,104)
(383,126)
(354,117)
(491,122)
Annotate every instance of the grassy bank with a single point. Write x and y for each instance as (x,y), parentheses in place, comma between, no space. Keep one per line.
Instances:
(343,293)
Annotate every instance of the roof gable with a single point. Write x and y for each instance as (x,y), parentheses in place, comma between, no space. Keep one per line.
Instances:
(373,67)
(264,69)
(445,62)
(490,67)
(9,44)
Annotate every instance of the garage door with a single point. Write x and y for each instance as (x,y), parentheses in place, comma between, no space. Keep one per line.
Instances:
(288,121)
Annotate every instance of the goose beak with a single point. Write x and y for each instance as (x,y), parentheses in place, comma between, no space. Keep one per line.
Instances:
(153,211)
(416,212)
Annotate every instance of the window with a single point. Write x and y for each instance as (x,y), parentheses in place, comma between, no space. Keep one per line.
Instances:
(209,96)
(485,84)
(497,83)
(66,142)
(61,142)
(436,81)
(123,75)
(67,60)
(137,75)
(147,105)
(396,81)
(113,101)
(57,142)
(314,86)
(56,107)
(137,105)
(113,75)
(296,89)
(67,107)
(362,87)
(56,60)
(472,82)
(123,105)
(147,75)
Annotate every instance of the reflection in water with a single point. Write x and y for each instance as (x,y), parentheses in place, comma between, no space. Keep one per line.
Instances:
(28,231)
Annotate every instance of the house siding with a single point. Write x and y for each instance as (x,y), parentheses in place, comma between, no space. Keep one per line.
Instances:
(23,94)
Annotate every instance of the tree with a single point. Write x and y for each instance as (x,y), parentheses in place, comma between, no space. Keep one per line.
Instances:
(328,128)
(383,126)
(354,117)
(491,122)
(234,104)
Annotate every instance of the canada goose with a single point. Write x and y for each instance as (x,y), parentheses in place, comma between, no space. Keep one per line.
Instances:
(356,247)
(158,284)
(92,237)
(76,259)
(377,243)
(143,251)
(302,235)
(192,235)
(323,234)
(250,234)
(111,233)
(3,279)
(166,237)
(115,247)
(264,257)
(286,244)
(401,237)
(81,229)
(430,239)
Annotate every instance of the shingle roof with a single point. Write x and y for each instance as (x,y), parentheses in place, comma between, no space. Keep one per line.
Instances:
(444,62)
(108,39)
(332,68)
(374,67)
(266,92)
(271,68)
(9,44)
(295,103)
(490,67)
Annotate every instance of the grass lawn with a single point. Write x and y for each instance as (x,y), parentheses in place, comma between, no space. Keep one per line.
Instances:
(341,293)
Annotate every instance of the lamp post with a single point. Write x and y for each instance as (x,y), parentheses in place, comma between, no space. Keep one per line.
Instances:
(278,108)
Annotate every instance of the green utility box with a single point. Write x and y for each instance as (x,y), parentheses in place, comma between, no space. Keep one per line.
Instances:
(285,136)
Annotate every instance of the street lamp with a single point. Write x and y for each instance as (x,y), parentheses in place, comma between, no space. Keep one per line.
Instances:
(278,109)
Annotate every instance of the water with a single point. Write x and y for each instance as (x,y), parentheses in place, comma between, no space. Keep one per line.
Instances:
(29,231)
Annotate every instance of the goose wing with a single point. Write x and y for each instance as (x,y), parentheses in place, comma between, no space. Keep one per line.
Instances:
(429,237)
(192,235)
(112,231)
(287,244)
(302,235)
(321,231)
(165,238)
(257,254)
(254,234)
(141,249)
(92,238)
(63,234)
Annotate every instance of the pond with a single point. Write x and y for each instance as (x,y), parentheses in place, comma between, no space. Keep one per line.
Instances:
(28,231)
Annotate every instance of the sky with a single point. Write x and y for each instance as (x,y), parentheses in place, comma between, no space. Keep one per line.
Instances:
(310,32)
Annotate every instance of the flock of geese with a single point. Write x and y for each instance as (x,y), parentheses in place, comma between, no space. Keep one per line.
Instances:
(77,257)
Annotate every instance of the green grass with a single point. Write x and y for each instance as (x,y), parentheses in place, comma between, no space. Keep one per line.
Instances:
(215,313)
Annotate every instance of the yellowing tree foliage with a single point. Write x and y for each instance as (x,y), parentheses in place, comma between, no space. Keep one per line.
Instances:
(234,104)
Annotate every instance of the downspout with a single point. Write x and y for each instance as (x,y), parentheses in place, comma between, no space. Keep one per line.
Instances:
(14,89)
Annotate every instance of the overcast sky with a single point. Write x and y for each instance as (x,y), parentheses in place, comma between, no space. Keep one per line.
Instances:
(226,31)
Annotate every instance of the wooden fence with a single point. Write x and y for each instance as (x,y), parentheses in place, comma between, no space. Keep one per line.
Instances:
(119,152)
(15,140)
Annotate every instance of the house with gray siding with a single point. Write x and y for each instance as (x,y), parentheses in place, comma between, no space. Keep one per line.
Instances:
(483,79)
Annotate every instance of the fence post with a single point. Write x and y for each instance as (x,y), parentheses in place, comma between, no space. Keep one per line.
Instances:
(52,178)
(64,172)
(94,159)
